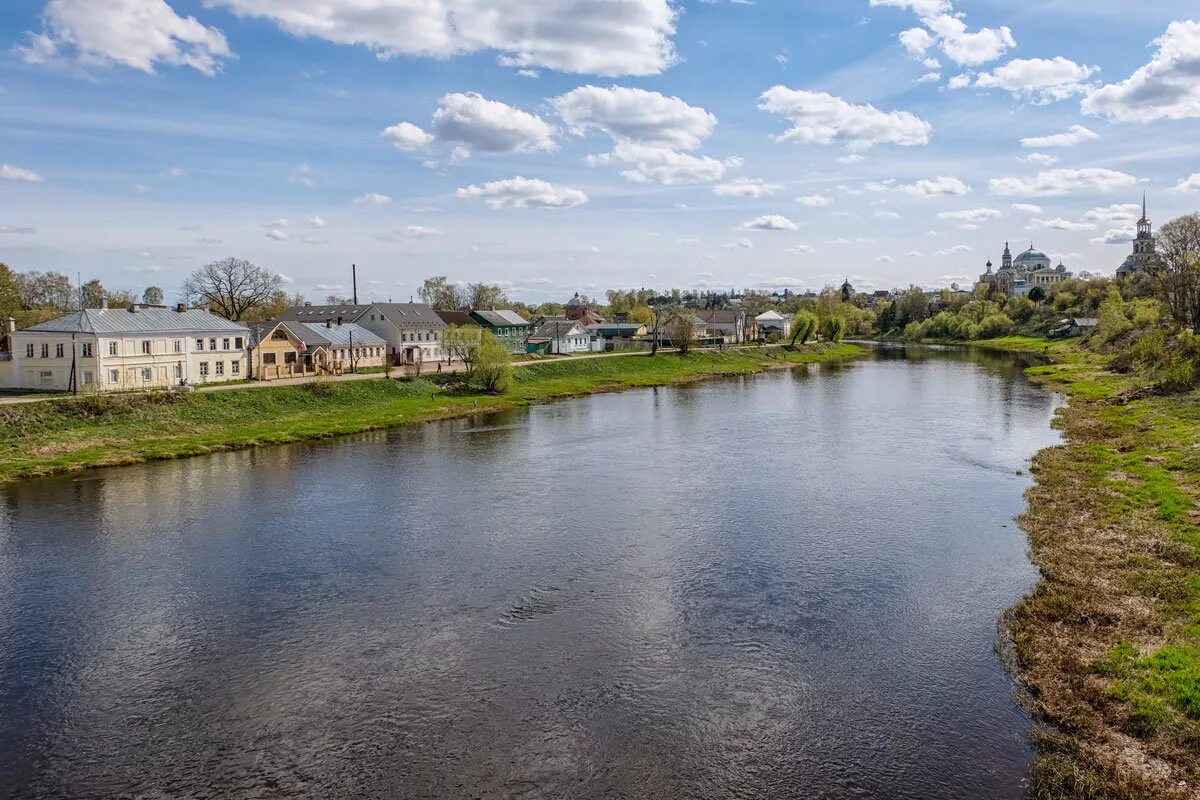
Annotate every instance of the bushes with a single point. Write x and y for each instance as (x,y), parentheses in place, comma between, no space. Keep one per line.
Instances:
(493,365)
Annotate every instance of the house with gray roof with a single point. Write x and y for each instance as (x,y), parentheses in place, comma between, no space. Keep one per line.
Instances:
(560,337)
(120,349)
(413,331)
(507,326)
(283,349)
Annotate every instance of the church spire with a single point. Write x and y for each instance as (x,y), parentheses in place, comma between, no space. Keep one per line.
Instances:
(1144,231)
(1006,260)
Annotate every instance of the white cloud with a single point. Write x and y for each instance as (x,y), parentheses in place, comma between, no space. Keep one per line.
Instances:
(472,123)
(942,185)
(970,215)
(1044,159)
(886,215)
(171,172)
(522,192)
(814,200)
(1059,224)
(930,77)
(140,34)
(316,221)
(821,118)
(923,8)
(663,165)
(1189,184)
(917,41)
(851,158)
(1039,80)
(18,229)
(1167,87)
(801,250)
(769,222)
(372,199)
(407,136)
(746,187)
(277,235)
(411,232)
(1062,181)
(960,81)
(964,47)
(1114,237)
(1127,213)
(1076,134)
(10,173)
(632,37)
(635,115)
(883,260)
(1026,208)
(743,243)
(957,250)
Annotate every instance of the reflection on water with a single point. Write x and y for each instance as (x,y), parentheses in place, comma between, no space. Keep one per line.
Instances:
(784,586)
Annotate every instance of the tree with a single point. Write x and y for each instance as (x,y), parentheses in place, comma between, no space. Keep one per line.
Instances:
(10,292)
(152,296)
(92,294)
(913,306)
(47,290)
(683,333)
(493,364)
(232,287)
(485,296)
(437,292)
(803,326)
(834,328)
(665,310)
(1037,294)
(461,342)
(1179,279)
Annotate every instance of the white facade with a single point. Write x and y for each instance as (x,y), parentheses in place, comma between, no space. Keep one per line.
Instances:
(118,357)
(769,321)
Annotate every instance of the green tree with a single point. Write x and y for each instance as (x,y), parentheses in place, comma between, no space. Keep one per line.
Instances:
(683,333)
(438,292)
(1037,294)
(92,294)
(10,292)
(833,329)
(47,290)
(913,306)
(485,296)
(804,325)
(152,296)
(493,364)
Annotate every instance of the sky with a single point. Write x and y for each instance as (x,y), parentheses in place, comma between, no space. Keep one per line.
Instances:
(581,145)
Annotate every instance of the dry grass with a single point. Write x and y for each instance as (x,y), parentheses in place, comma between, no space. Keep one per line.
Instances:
(1108,645)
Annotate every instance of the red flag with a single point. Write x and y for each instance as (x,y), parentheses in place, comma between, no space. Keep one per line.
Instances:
(303,348)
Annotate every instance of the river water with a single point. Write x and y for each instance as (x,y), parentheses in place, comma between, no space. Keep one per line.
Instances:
(779,586)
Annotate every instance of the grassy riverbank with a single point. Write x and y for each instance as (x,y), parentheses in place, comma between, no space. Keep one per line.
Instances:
(1108,645)
(71,434)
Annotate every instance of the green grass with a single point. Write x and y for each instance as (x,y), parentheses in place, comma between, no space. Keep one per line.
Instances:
(68,434)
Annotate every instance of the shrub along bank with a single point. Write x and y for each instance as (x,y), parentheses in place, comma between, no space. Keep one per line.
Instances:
(102,430)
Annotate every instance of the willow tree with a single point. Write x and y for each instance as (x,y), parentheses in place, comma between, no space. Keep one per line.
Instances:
(804,325)
(492,368)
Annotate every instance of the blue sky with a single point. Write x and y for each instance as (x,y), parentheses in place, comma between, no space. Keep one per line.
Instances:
(701,144)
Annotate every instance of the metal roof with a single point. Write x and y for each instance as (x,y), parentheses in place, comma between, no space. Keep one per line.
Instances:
(338,335)
(402,315)
(501,318)
(144,320)
(556,329)
(457,318)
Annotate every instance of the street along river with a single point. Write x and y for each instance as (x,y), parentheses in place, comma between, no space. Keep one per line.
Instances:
(778,586)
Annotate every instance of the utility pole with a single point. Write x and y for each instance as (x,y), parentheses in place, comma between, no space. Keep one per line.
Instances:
(74,378)
(352,349)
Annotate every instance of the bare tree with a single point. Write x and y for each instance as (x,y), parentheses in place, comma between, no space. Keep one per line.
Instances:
(485,296)
(1179,279)
(231,287)
(441,294)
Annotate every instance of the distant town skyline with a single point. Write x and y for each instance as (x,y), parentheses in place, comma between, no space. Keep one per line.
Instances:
(706,144)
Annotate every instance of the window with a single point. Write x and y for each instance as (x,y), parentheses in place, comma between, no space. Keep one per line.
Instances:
(225,344)
(212,343)
(203,369)
(177,346)
(178,372)
(112,348)
(88,377)
(58,350)
(289,358)
(268,358)
(199,345)
(239,343)
(29,350)
(86,348)
(114,376)
(147,373)
(45,351)
(45,378)
(235,368)
(145,347)
(220,369)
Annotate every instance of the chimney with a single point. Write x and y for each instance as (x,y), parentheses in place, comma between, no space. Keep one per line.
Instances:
(339,321)
(11,325)
(307,303)
(181,307)
(133,308)
(104,303)
(328,323)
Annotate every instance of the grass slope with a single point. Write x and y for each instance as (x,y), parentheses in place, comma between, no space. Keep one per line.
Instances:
(71,434)
(1108,644)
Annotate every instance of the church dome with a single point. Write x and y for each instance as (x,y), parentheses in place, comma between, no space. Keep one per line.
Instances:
(1032,255)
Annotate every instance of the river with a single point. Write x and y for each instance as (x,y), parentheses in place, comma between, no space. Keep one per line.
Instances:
(778,586)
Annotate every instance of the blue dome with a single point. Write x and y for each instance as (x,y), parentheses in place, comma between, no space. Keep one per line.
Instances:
(1032,255)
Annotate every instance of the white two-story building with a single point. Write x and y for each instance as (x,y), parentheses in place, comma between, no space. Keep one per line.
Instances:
(123,349)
